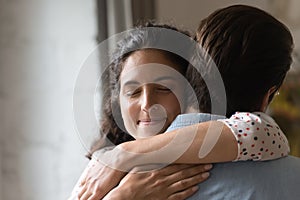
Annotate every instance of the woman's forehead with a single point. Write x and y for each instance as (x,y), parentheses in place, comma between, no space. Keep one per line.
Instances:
(147,56)
(150,73)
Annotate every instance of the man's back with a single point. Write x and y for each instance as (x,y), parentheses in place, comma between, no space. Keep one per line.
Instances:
(276,179)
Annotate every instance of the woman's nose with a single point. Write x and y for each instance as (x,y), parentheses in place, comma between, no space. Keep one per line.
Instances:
(147,99)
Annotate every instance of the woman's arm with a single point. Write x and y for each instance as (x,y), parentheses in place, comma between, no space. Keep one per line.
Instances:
(200,143)
(177,182)
(207,142)
(172,182)
(179,146)
(244,136)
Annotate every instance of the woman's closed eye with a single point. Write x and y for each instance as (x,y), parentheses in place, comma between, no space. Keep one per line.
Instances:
(163,89)
(132,92)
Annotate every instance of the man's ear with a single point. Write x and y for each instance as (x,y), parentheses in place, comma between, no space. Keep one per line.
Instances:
(266,99)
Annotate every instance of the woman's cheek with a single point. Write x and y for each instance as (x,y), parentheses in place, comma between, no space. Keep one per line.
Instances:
(128,114)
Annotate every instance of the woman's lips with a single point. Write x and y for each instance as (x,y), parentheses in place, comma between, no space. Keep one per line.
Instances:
(150,127)
(149,122)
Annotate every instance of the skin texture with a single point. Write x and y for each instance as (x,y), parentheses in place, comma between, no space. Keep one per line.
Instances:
(98,181)
(169,179)
(149,93)
(177,182)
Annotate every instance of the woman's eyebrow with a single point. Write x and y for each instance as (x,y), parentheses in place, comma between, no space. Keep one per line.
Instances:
(162,78)
(131,82)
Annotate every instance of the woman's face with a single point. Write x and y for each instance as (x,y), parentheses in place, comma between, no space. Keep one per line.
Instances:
(150,93)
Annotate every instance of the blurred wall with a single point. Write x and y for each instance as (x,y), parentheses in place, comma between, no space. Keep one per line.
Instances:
(43,44)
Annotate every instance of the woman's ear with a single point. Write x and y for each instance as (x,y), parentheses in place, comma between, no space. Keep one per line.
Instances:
(266,99)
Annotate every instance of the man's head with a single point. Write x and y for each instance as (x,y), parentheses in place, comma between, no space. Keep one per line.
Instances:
(252,51)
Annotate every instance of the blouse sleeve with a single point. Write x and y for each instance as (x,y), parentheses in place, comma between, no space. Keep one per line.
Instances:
(258,136)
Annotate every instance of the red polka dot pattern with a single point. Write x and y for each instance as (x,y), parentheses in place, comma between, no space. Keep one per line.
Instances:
(258,136)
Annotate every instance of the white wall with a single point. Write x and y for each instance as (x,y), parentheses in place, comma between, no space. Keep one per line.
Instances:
(43,43)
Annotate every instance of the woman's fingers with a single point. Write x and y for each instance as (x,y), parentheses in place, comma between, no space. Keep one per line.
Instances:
(83,191)
(172,182)
(189,182)
(181,195)
(171,169)
(181,167)
(97,181)
(188,172)
(184,188)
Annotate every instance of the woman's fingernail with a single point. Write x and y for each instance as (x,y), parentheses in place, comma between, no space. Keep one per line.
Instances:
(205,175)
(195,188)
(208,166)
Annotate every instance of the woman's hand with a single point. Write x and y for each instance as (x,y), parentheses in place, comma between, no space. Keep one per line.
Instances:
(174,182)
(97,180)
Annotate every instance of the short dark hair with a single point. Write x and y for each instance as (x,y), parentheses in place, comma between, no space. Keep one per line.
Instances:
(252,51)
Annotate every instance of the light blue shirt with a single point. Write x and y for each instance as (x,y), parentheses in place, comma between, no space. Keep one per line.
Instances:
(246,180)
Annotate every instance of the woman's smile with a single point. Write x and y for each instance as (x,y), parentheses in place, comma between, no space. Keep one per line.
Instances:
(151,93)
(150,122)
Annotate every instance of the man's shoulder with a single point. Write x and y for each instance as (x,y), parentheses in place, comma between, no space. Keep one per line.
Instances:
(283,166)
(183,120)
